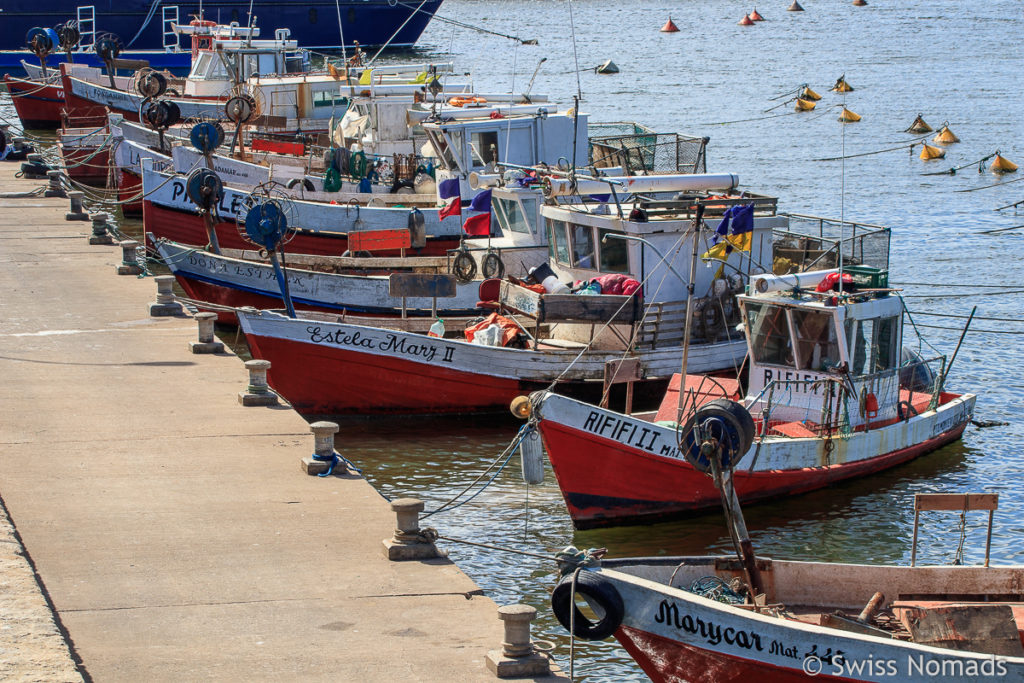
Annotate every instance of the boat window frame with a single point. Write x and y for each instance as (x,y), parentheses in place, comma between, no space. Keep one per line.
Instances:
(797,340)
(589,229)
(760,360)
(555,243)
(602,245)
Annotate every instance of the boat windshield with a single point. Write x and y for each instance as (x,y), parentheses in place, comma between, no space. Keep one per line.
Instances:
(817,341)
(769,335)
(873,344)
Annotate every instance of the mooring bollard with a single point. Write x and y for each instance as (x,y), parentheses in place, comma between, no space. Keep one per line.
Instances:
(258,392)
(99,229)
(409,543)
(206,343)
(517,656)
(77,212)
(165,303)
(129,264)
(55,189)
(323,459)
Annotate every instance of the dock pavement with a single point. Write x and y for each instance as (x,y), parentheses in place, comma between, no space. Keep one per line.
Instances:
(161,531)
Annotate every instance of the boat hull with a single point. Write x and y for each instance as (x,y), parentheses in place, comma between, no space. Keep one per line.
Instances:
(335,368)
(614,469)
(38,104)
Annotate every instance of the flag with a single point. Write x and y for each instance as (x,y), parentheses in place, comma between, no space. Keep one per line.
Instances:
(734,232)
(447,189)
(482,201)
(454,208)
(478,226)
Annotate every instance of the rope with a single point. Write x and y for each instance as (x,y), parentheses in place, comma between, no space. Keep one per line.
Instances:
(760,118)
(944,284)
(335,458)
(985,187)
(952,171)
(460,24)
(960,296)
(958,329)
(977,317)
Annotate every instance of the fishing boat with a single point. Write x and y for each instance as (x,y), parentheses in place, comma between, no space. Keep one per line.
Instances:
(145,26)
(829,396)
(680,620)
(37,101)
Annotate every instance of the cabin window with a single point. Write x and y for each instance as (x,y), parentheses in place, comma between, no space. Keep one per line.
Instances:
(887,343)
(817,342)
(485,148)
(312,15)
(583,246)
(874,344)
(614,256)
(558,241)
(769,334)
(510,216)
(457,145)
(529,208)
(326,98)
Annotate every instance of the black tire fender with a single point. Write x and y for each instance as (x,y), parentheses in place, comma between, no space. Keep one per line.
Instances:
(493,267)
(600,594)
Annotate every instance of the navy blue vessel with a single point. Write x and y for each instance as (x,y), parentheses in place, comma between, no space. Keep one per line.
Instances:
(143,24)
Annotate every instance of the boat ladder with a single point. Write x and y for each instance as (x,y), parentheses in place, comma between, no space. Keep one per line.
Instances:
(86,16)
(170,36)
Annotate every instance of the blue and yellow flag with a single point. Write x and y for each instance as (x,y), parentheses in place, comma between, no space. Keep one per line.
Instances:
(735,232)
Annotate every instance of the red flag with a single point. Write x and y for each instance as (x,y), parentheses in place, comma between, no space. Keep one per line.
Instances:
(477,226)
(454,208)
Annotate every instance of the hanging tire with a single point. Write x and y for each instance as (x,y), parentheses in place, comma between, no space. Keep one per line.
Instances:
(464,267)
(493,267)
(600,594)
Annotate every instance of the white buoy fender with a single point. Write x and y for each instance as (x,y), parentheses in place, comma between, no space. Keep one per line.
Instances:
(531,452)
(683,182)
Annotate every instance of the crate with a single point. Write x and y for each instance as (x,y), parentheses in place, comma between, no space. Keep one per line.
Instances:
(868,277)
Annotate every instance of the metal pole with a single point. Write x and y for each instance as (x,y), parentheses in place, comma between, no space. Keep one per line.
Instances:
(957,349)
(697,220)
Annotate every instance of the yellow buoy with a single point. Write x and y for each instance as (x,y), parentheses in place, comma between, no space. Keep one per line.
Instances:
(841,85)
(919,126)
(1002,165)
(860,3)
(795,7)
(928,152)
(848,116)
(808,94)
(945,136)
(805,105)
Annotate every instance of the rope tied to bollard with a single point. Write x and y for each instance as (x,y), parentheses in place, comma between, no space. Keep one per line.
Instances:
(335,458)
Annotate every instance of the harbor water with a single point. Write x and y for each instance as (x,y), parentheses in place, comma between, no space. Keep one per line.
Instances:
(949,61)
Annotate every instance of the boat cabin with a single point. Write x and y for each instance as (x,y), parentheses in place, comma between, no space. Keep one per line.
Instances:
(225,61)
(824,358)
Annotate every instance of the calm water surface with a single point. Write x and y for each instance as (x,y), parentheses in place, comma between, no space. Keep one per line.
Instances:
(950,61)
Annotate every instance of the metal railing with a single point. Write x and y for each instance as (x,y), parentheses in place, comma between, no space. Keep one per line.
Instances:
(814,243)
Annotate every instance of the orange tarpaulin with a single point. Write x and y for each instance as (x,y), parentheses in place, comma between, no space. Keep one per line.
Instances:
(509,329)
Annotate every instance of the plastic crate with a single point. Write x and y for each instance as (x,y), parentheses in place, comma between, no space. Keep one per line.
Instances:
(868,277)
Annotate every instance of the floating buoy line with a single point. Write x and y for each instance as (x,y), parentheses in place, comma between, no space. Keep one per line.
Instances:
(979,163)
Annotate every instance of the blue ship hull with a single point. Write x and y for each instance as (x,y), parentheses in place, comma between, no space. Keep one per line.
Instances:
(313,23)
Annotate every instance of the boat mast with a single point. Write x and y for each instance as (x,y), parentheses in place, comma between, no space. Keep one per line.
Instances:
(698,218)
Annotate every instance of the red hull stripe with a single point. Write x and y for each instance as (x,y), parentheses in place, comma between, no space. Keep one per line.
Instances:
(604,483)
(664,659)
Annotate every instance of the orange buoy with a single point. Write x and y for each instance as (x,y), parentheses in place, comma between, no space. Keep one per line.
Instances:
(841,85)
(945,136)
(847,116)
(745,21)
(860,3)
(669,27)
(795,7)
(919,126)
(1002,165)
(805,105)
(808,94)
(928,152)
(754,16)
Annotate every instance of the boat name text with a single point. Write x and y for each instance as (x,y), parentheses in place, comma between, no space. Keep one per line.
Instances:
(391,343)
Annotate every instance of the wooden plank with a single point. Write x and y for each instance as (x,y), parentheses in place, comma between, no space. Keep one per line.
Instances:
(622,370)
(131,64)
(421,284)
(956,501)
(519,299)
(379,240)
(975,628)
(602,308)
(268,121)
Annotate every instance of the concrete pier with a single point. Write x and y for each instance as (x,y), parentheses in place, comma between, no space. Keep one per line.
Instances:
(168,524)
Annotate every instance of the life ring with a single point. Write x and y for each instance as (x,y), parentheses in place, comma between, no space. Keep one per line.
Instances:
(464,267)
(462,101)
(906,410)
(600,594)
(492,266)
(306,183)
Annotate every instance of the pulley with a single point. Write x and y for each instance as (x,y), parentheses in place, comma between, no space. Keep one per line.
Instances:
(240,108)
(107,47)
(68,35)
(151,84)
(206,136)
(266,224)
(204,188)
(720,429)
(161,114)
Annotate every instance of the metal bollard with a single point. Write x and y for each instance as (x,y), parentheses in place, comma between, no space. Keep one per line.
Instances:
(323,460)
(206,343)
(165,303)
(258,392)
(409,542)
(129,264)
(77,212)
(55,188)
(517,657)
(99,229)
